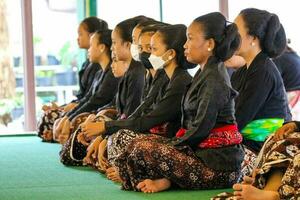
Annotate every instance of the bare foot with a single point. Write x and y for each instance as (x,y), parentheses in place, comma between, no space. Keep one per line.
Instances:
(249,192)
(113,174)
(151,186)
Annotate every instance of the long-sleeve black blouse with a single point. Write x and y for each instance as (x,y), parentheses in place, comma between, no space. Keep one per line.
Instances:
(288,65)
(208,104)
(130,89)
(261,94)
(102,92)
(85,77)
(165,109)
(157,89)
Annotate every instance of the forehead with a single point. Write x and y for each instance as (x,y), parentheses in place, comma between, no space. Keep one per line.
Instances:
(156,38)
(136,31)
(94,38)
(195,28)
(239,21)
(115,33)
(145,38)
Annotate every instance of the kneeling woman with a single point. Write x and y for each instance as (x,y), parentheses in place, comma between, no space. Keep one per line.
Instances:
(206,153)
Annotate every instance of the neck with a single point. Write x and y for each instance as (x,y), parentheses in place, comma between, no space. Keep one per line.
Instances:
(251,55)
(152,72)
(127,61)
(104,61)
(170,68)
(202,64)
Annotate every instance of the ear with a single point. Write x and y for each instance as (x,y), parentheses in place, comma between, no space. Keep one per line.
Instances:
(211,44)
(127,44)
(172,54)
(101,48)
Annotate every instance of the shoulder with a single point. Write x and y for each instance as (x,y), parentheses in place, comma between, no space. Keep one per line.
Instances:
(136,68)
(182,76)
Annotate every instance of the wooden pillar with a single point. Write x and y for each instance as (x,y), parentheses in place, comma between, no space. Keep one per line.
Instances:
(29,80)
(223,7)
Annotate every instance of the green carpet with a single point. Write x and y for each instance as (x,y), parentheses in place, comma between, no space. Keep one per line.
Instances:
(30,169)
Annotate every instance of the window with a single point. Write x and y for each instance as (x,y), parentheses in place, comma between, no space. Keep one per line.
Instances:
(55,58)
(55,51)
(115,11)
(11,99)
(184,12)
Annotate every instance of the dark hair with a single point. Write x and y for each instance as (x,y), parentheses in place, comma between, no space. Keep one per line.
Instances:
(143,24)
(126,27)
(104,37)
(267,28)
(92,24)
(153,27)
(141,18)
(176,42)
(226,37)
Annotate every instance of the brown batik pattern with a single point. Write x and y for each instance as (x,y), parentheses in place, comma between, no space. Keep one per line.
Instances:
(248,163)
(73,152)
(45,125)
(285,156)
(117,143)
(152,157)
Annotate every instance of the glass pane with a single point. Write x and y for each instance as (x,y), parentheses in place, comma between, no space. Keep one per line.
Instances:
(288,17)
(113,11)
(11,69)
(55,51)
(184,12)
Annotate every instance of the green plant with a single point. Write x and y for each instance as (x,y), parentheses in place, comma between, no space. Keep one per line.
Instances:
(36,40)
(44,73)
(67,55)
(6,106)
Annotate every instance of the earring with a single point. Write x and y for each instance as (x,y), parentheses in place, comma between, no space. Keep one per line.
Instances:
(252,44)
(170,57)
(209,49)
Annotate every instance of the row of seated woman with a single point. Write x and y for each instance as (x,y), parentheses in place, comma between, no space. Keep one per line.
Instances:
(148,124)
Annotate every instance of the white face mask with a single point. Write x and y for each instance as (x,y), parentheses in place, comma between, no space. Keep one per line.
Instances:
(134,50)
(157,62)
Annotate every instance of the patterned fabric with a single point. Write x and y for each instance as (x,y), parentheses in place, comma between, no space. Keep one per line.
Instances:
(117,143)
(152,157)
(219,137)
(249,162)
(258,130)
(45,125)
(73,152)
(283,155)
(160,129)
(79,119)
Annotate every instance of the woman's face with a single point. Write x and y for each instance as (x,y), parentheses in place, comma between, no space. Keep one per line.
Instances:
(144,43)
(246,39)
(83,38)
(118,68)
(95,51)
(135,35)
(158,48)
(119,48)
(197,48)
